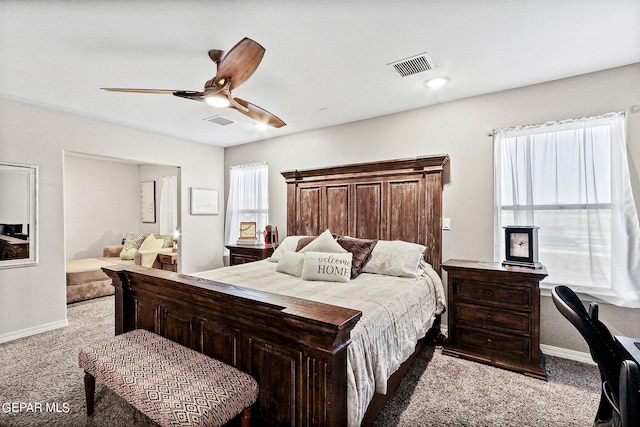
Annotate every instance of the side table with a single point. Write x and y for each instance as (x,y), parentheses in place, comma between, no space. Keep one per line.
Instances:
(169,261)
(494,315)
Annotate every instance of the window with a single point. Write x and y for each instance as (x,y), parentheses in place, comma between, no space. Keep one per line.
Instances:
(571,179)
(248,199)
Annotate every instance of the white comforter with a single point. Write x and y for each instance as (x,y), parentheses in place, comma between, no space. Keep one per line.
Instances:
(396,312)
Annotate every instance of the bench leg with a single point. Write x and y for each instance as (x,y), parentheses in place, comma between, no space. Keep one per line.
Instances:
(89,390)
(245,418)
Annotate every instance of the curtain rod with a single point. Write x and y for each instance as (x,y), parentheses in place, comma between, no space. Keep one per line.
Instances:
(557,122)
(248,165)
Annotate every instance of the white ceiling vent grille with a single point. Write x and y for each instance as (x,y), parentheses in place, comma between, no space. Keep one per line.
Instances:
(218,120)
(414,65)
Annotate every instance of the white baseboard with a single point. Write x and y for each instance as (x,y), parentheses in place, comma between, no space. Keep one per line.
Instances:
(564,353)
(33,330)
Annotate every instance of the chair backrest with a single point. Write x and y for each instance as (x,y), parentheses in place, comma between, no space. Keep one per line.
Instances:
(629,394)
(602,346)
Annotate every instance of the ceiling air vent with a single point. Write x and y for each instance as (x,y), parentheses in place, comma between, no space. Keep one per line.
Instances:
(414,65)
(218,120)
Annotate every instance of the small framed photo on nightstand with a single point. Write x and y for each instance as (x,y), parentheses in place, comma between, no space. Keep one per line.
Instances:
(521,246)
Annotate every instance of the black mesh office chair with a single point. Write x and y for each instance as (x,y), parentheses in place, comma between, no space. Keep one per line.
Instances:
(629,394)
(605,352)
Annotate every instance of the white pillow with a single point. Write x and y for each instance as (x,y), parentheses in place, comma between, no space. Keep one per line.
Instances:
(289,243)
(324,243)
(328,267)
(151,244)
(395,258)
(291,263)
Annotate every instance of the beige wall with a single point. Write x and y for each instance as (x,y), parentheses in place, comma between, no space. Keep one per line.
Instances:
(32,299)
(461,129)
(153,173)
(91,186)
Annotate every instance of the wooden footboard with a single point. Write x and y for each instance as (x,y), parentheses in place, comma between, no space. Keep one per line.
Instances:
(295,348)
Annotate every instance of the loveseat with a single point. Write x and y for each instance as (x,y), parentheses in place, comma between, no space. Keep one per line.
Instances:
(85,278)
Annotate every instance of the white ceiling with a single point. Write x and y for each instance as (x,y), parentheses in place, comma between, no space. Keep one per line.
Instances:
(325,61)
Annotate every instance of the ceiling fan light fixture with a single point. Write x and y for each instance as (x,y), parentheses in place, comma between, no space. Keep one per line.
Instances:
(436,82)
(217,101)
(233,69)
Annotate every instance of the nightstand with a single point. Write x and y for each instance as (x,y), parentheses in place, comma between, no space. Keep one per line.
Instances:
(239,254)
(494,315)
(169,261)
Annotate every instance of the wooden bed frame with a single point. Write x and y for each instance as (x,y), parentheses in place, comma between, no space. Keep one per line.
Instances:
(295,348)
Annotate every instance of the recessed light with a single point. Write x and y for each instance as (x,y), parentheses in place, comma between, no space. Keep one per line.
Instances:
(261,126)
(436,82)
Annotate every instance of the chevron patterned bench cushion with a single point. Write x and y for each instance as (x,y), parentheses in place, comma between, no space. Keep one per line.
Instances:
(170,383)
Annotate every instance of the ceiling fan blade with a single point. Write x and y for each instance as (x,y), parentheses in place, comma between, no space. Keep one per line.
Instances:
(160,91)
(239,63)
(189,94)
(258,113)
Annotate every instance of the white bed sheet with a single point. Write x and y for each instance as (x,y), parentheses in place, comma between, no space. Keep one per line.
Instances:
(396,313)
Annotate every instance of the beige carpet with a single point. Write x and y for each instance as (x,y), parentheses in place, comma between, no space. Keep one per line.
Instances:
(40,384)
(446,391)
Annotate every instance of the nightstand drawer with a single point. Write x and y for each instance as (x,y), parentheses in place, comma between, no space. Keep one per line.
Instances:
(494,345)
(492,318)
(245,254)
(492,293)
(242,259)
(168,258)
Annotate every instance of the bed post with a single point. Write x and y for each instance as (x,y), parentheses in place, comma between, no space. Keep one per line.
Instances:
(292,183)
(123,308)
(433,213)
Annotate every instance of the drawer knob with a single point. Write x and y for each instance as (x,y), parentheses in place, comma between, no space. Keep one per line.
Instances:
(489,292)
(489,340)
(489,318)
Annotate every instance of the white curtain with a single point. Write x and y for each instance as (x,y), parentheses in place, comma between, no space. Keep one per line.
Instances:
(169,205)
(572,180)
(248,199)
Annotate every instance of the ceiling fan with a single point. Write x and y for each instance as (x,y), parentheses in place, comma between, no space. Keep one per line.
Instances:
(233,69)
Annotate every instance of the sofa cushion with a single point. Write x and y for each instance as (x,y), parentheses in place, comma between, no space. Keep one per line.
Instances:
(128,254)
(112,251)
(151,243)
(134,240)
(168,240)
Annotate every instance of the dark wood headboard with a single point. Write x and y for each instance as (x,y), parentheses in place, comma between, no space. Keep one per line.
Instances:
(387,200)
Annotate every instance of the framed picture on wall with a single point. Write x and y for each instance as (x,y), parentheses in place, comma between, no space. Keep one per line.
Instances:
(148,201)
(204,201)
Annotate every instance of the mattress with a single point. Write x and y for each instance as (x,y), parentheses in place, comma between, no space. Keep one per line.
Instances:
(396,313)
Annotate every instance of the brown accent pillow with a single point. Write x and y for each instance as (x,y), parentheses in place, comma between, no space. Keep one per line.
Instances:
(361,250)
(304,242)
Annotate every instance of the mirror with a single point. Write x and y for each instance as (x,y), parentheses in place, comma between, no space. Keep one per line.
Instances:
(18,213)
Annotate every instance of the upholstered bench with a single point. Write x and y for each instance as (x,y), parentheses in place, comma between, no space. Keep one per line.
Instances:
(170,383)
